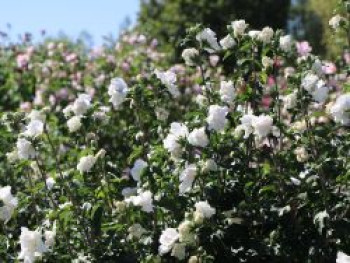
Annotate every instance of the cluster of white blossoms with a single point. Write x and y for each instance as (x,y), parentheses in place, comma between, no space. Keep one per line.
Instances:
(239,27)
(336,21)
(340,110)
(79,107)
(176,239)
(286,43)
(117,90)
(74,123)
(81,104)
(32,245)
(187,177)
(86,163)
(9,203)
(25,149)
(208,36)
(227,42)
(227,91)
(171,142)
(342,258)
(167,240)
(137,169)
(301,154)
(189,55)
(203,210)
(261,126)
(168,79)
(198,137)
(290,100)
(265,35)
(144,199)
(217,117)
(316,87)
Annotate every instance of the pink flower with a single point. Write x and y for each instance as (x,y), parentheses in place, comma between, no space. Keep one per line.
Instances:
(346,57)
(26,106)
(271,81)
(214,60)
(154,43)
(125,66)
(329,68)
(303,48)
(266,101)
(71,57)
(22,60)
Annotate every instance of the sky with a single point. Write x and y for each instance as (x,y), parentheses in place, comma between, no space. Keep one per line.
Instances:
(98,17)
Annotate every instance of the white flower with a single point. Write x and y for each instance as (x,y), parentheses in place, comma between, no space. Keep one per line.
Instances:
(201,100)
(32,245)
(262,125)
(117,90)
(177,131)
(36,115)
(81,104)
(254,34)
(340,109)
(136,231)
(290,101)
(289,71)
(309,82)
(12,157)
(198,137)
(74,123)
(319,219)
(301,154)
(267,62)
(227,91)
(25,149)
(335,21)
(286,43)
(185,235)
(101,154)
(68,110)
(179,251)
(187,177)
(34,128)
(207,35)
(227,42)
(193,259)
(161,113)
(342,258)
(167,240)
(9,203)
(317,67)
(137,169)
(239,26)
(50,182)
(86,163)
(246,125)
(203,208)
(209,165)
(266,35)
(189,55)
(168,79)
(50,236)
(143,199)
(217,117)
(320,92)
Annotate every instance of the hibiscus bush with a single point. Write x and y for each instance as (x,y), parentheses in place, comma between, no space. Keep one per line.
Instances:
(241,154)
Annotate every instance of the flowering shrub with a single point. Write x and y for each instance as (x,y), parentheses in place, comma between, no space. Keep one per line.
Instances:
(243,156)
